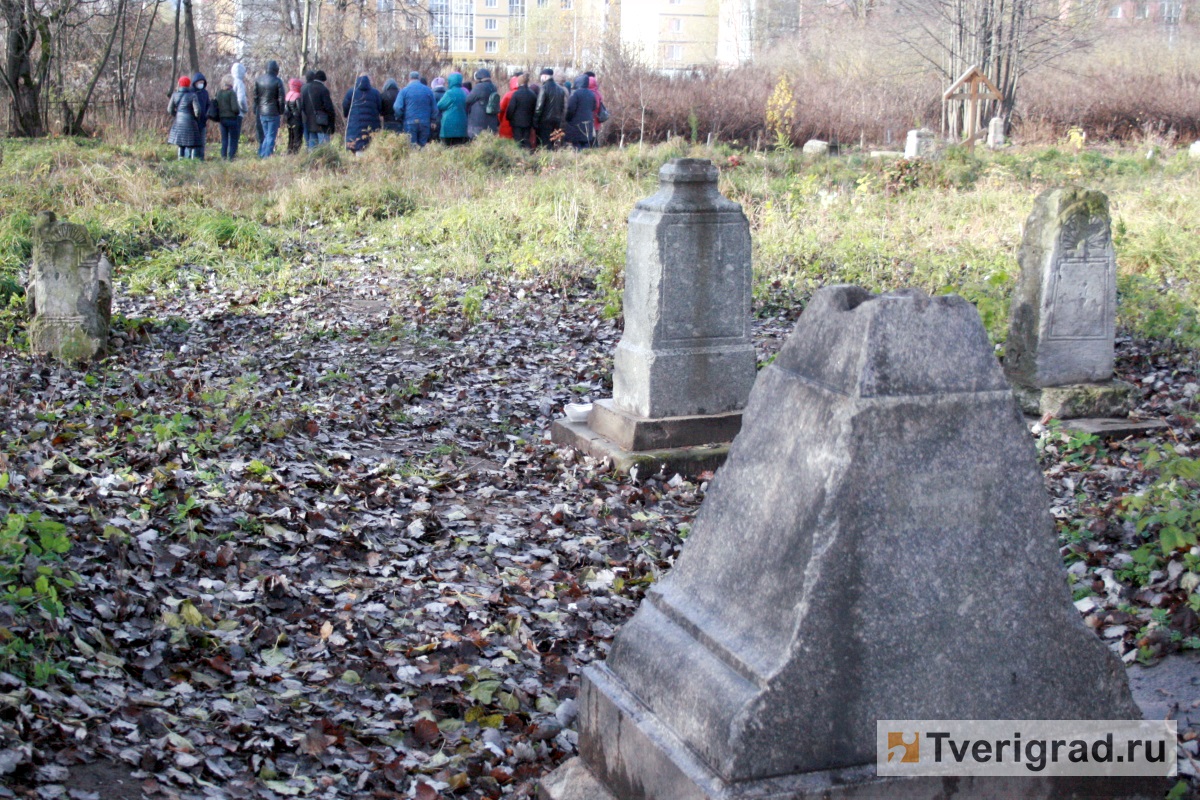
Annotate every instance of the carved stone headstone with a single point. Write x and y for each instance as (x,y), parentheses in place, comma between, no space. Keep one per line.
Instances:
(877,546)
(1194,150)
(69,294)
(1060,349)
(922,143)
(995,133)
(685,365)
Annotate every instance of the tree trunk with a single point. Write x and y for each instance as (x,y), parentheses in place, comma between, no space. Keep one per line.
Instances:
(23,88)
(175,49)
(137,67)
(189,28)
(75,123)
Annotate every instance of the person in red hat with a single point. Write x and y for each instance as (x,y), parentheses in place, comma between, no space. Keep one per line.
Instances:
(186,133)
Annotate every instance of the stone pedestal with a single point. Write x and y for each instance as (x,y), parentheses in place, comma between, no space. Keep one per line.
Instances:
(922,143)
(69,294)
(684,366)
(877,546)
(1060,350)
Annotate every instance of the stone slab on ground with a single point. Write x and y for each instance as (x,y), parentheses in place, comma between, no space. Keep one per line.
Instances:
(1169,689)
(1109,399)
(639,434)
(1108,428)
(690,462)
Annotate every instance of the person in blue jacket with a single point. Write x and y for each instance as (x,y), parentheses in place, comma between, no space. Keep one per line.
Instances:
(362,107)
(415,109)
(453,105)
(200,86)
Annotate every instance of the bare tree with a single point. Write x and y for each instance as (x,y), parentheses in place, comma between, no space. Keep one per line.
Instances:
(1004,38)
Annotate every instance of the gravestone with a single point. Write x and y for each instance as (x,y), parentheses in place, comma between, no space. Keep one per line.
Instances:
(922,143)
(69,293)
(995,134)
(877,546)
(1194,150)
(816,147)
(685,365)
(1060,349)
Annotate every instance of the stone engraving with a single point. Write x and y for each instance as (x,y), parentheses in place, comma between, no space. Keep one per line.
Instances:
(69,293)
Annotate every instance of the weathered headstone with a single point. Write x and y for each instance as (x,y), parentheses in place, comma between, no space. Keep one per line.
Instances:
(816,147)
(1194,150)
(922,143)
(995,133)
(1060,349)
(685,365)
(69,293)
(877,546)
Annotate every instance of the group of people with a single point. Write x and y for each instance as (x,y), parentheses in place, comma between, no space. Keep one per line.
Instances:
(534,114)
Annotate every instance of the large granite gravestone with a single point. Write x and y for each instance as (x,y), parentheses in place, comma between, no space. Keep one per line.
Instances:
(877,546)
(69,293)
(922,143)
(684,366)
(1059,354)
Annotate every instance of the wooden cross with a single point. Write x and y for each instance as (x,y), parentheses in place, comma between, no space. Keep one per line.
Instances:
(967,89)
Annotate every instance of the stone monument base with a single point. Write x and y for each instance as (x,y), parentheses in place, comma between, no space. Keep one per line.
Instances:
(684,445)
(1109,399)
(628,754)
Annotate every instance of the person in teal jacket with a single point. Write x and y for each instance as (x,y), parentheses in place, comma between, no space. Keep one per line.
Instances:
(453,106)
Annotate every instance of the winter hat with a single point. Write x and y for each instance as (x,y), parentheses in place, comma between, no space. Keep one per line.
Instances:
(482,73)
(310,76)
(184,81)
(439,82)
(321,75)
(414,76)
(547,71)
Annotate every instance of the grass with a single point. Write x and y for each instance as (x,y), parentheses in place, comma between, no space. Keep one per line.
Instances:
(491,211)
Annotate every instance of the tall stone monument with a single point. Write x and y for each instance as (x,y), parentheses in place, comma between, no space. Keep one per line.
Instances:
(685,365)
(1059,355)
(877,546)
(995,133)
(69,293)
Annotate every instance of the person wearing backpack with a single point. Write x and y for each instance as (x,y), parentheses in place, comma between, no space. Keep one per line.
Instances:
(483,105)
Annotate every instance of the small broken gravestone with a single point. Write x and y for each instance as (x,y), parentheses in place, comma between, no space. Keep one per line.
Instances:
(685,364)
(1062,325)
(922,143)
(877,546)
(69,292)
(995,133)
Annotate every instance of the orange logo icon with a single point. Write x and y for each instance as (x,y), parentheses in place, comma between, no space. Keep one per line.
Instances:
(905,752)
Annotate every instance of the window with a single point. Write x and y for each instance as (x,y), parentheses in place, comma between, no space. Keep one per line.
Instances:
(567,5)
(1143,11)
(1171,12)
(674,52)
(489,3)
(490,24)
(1116,12)
(516,8)
(675,25)
(676,2)
(491,45)
(543,49)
